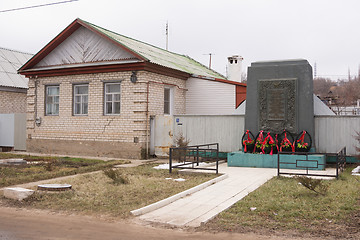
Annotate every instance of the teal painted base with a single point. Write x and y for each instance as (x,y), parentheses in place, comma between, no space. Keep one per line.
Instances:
(349,159)
(240,159)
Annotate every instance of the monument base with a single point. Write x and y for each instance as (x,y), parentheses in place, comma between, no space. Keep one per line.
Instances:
(240,159)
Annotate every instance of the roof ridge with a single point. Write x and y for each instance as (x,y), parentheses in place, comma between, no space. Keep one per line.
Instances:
(206,67)
(132,38)
(13,50)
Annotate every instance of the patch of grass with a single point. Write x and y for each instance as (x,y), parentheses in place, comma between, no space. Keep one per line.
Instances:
(96,193)
(40,168)
(282,204)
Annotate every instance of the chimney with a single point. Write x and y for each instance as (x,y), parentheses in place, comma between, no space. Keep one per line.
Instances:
(234,68)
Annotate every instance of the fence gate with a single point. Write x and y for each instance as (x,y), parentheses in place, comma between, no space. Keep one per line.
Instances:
(308,166)
(200,157)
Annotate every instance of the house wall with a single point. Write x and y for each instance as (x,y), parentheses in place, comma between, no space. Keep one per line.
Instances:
(209,97)
(12,102)
(122,136)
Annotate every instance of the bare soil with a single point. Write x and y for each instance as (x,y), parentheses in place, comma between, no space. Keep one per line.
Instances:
(30,224)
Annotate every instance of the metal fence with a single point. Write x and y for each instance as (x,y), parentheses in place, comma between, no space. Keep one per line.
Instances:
(194,157)
(309,165)
(333,132)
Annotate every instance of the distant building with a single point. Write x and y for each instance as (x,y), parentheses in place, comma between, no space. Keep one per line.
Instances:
(13,107)
(13,86)
(346,110)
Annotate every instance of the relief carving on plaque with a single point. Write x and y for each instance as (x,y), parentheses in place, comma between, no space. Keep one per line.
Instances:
(277,105)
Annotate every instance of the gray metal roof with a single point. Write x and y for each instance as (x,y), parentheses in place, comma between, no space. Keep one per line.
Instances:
(10,62)
(160,56)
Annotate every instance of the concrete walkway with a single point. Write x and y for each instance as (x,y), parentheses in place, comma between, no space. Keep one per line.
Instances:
(200,207)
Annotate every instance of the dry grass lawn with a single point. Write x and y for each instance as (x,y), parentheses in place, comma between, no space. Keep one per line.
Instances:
(285,206)
(96,194)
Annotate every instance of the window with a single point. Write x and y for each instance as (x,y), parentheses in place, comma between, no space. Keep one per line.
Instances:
(52,100)
(168,101)
(112,98)
(81,93)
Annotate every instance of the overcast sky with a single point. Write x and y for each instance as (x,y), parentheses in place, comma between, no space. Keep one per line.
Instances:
(322,31)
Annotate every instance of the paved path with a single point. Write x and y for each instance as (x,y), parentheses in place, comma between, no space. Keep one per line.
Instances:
(202,206)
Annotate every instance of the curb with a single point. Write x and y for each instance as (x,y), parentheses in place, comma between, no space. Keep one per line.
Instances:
(166,201)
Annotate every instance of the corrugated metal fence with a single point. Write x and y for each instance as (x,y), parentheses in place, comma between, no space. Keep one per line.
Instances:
(226,130)
(331,132)
(334,132)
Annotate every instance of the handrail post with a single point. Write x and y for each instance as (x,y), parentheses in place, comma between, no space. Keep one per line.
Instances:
(197,156)
(170,160)
(337,165)
(217,158)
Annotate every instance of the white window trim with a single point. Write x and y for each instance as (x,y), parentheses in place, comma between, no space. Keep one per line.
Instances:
(111,83)
(171,101)
(46,100)
(81,101)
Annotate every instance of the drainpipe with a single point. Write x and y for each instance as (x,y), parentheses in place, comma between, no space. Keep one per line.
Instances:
(35,100)
(147,119)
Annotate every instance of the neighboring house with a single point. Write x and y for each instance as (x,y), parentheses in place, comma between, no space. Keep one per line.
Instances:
(13,89)
(12,85)
(93,92)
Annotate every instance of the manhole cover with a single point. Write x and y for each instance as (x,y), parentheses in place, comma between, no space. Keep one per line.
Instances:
(54,187)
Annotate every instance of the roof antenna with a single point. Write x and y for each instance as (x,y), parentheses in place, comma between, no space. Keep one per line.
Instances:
(167,35)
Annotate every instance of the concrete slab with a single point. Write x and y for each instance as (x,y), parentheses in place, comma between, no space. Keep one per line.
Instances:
(17,193)
(13,161)
(199,207)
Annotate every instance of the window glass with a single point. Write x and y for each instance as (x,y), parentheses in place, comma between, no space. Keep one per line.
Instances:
(52,100)
(112,98)
(167,99)
(81,99)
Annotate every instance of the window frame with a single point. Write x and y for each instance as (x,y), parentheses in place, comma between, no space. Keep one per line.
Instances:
(54,103)
(81,99)
(112,98)
(171,100)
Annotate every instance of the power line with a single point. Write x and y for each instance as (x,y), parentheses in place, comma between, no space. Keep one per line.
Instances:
(35,6)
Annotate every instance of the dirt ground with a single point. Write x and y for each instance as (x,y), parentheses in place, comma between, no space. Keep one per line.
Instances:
(30,224)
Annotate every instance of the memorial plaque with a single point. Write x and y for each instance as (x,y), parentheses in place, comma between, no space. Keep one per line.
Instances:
(276,99)
(277,106)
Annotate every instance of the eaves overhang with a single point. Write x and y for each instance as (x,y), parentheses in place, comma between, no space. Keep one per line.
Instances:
(219,80)
(103,67)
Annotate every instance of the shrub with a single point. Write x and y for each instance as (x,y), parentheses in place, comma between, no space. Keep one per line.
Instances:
(315,185)
(116,176)
(180,141)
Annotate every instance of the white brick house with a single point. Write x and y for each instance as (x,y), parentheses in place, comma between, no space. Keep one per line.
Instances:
(92,92)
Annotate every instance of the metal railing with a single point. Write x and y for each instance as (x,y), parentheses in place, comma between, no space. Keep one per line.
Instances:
(191,157)
(310,165)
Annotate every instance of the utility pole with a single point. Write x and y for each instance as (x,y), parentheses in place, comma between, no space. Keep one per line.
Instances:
(315,70)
